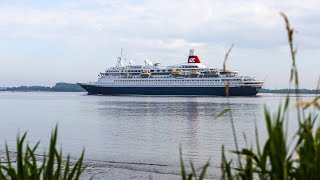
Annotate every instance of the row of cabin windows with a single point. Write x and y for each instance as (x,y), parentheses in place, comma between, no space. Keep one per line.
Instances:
(177,80)
(167,80)
(186,80)
(137,71)
(230,79)
(161,80)
(189,66)
(180,83)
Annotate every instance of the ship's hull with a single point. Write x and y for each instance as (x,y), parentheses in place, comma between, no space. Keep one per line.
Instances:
(178,91)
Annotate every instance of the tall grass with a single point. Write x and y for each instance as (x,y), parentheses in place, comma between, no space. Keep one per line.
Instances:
(226,58)
(277,158)
(27,165)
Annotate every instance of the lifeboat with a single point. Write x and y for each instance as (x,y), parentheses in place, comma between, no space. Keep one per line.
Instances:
(176,73)
(145,74)
(194,73)
(212,73)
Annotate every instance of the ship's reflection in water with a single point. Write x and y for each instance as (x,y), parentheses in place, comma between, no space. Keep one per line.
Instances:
(150,129)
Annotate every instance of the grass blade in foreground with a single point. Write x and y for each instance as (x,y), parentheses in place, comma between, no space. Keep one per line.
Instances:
(29,168)
(274,161)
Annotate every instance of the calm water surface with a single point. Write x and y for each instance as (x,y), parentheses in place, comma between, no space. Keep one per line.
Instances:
(135,137)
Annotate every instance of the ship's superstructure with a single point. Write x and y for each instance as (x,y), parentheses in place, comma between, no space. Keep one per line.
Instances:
(192,78)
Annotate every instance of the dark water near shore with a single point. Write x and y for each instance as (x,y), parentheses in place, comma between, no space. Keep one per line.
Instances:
(135,137)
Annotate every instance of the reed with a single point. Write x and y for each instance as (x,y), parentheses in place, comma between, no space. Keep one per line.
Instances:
(277,158)
(27,165)
(193,174)
(226,58)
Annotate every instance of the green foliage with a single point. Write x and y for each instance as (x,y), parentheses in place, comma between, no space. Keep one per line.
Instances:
(275,161)
(308,150)
(26,164)
(67,87)
(58,87)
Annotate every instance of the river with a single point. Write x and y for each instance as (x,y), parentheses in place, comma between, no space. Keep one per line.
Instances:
(136,137)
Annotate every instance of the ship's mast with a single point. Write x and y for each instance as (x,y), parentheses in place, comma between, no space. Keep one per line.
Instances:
(119,59)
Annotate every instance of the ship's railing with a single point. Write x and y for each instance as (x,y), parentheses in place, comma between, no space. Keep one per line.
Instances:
(202,75)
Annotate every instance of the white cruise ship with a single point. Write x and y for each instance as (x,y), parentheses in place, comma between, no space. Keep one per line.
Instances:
(192,78)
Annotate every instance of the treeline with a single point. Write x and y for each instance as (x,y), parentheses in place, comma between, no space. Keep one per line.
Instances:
(59,87)
(300,91)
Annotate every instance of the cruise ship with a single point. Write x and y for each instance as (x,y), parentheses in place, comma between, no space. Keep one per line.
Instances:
(188,79)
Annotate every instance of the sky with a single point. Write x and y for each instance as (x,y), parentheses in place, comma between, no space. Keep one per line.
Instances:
(45,42)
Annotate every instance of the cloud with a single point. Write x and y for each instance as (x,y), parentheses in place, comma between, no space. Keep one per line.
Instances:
(167,44)
(161,30)
(206,21)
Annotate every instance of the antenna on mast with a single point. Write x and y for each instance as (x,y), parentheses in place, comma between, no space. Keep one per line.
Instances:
(119,61)
(121,53)
(123,56)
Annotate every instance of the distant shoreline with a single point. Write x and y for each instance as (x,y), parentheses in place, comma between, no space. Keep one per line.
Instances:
(69,87)
(59,87)
(290,91)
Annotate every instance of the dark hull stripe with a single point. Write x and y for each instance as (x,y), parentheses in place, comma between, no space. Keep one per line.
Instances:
(187,91)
